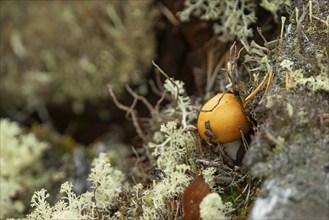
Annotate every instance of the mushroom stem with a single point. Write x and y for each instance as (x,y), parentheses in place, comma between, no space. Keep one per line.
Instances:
(232,148)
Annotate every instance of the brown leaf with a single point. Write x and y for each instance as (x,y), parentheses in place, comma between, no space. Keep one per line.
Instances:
(193,196)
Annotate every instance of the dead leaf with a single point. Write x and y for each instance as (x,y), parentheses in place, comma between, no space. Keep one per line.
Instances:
(193,196)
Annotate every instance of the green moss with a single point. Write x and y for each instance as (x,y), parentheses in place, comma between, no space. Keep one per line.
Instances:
(230,195)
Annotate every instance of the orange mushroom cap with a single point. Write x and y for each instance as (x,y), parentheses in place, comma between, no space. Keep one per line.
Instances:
(221,119)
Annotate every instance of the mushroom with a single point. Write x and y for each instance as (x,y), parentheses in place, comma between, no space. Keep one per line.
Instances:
(222,119)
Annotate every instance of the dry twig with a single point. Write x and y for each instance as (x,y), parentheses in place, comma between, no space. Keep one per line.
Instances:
(131,111)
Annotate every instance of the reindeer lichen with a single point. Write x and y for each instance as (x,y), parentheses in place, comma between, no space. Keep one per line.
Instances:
(274,5)
(232,18)
(182,104)
(19,170)
(212,207)
(107,184)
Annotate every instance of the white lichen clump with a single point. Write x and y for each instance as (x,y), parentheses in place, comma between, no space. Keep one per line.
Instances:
(173,146)
(296,77)
(154,200)
(212,207)
(232,18)
(274,5)
(19,153)
(107,184)
(181,106)
(208,175)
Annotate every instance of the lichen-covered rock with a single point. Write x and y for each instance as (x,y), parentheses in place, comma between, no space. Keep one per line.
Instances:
(282,200)
(290,148)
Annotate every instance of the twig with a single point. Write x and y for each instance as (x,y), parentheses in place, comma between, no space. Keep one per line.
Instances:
(165,75)
(210,62)
(157,106)
(243,191)
(131,111)
(299,27)
(251,95)
(270,137)
(249,189)
(244,140)
(141,98)
(168,14)
(154,88)
(132,106)
(320,20)
(136,155)
(218,165)
(211,77)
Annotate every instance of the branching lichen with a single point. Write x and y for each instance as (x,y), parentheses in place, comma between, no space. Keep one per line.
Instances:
(212,207)
(107,185)
(232,18)
(183,107)
(107,182)
(155,200)
(171,146)
(315,82)
(19,170)
(274,6)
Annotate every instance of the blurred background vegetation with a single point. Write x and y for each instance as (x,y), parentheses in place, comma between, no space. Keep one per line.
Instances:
(58,56)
